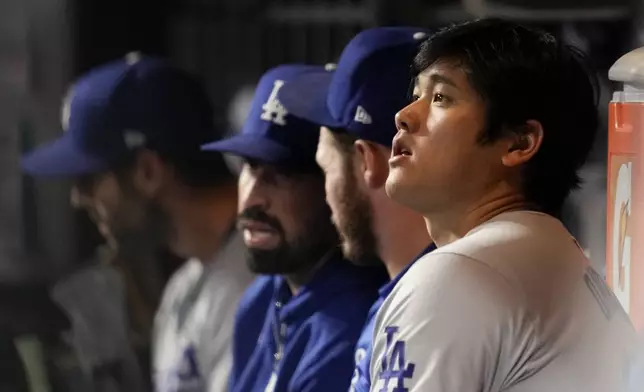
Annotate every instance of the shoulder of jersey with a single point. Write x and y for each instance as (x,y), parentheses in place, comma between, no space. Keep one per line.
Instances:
(511,230)
(261,289)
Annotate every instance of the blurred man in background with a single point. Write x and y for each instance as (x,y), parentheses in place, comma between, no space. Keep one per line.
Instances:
(501,120)
(298,324)
(134,128)
(356,104)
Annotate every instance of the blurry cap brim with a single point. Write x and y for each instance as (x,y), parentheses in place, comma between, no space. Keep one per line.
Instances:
(62,158)
(252,147)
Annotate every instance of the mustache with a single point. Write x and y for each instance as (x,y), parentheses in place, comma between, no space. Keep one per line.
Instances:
(256,213)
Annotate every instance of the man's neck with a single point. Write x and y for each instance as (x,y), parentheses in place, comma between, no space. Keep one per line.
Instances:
(401,238)
(297,280)
(446,227)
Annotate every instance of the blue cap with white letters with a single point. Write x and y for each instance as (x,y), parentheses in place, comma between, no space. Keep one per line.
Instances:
(271,134)
(367,87)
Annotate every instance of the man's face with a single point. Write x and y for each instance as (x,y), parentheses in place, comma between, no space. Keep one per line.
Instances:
(350,207)
(134,224)
(438,163)
(283,218)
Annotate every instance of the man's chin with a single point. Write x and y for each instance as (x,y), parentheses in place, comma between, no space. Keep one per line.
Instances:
(358,255)
(264,261)
(392,185)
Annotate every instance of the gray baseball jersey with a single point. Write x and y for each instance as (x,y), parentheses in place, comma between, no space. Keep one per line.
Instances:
(194,325)
(512,306)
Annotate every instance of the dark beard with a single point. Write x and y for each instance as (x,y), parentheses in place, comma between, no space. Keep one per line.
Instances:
(297,256)
(142,252)
(148,238)
(355,222)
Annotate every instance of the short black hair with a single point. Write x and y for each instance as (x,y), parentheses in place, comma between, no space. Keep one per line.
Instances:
(522,74)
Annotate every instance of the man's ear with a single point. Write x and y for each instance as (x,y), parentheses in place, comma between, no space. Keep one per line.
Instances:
(372,163)
(148,173)
(523,144)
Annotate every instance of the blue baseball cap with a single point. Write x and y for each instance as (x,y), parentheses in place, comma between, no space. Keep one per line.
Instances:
(271,134)
(132,103)
(364,91)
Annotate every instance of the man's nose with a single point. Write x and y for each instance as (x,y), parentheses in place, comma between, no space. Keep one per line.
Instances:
(253,193)
(405,119)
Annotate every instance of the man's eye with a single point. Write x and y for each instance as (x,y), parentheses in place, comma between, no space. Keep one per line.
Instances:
(415,98)
(439,98)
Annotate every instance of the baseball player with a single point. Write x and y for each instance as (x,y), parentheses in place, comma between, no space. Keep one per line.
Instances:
(355,103)
(298,324)
(502,118)
(134,130)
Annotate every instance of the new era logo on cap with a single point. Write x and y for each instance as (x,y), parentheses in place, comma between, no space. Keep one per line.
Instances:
(362,116)
(330,66)
(420,35)
(132,58)
(374,72)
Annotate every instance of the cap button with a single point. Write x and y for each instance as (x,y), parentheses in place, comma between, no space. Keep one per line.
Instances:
(419,35)
(330,67)
(132,58)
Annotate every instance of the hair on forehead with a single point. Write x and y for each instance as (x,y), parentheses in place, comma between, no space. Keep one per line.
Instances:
(492,51)
(470,40)
(523,73)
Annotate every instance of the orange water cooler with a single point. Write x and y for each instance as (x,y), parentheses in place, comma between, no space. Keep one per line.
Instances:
(625,213)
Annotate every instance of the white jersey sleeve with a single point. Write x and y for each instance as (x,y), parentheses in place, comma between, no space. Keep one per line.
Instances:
(442,328)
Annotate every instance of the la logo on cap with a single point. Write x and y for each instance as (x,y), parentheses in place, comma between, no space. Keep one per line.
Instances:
(273,110)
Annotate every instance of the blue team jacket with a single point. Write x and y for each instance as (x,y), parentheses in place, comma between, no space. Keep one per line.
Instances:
(304,343)
(361,381)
